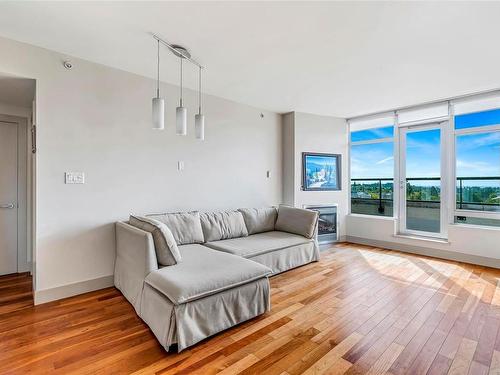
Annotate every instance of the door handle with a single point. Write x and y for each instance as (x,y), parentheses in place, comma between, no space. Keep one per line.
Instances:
(8,206)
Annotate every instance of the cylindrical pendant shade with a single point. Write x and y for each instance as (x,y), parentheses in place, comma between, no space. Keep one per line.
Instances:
(158,113)
(199,126)
(181,123)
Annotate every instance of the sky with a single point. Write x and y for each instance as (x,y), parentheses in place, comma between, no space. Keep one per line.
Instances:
(478,155)
(321,160)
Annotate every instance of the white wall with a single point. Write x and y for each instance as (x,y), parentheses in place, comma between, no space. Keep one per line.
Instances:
(312,133)
(97,120)
(464,242)
(288,158)
(12,110)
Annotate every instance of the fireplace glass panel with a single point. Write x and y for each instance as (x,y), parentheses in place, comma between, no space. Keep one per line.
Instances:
(327,223)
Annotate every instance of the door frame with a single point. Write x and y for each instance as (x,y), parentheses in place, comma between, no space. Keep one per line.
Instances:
(444,189)
(24,192)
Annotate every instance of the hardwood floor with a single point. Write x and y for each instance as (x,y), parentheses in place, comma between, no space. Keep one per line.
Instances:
(360,310)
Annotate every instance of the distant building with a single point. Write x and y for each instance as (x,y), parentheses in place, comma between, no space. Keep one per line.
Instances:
(386,195)
(360,195)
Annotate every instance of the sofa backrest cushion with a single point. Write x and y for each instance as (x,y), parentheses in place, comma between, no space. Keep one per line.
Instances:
(185,226)
(259,220)
(223,225)
(297,220)
(167,252)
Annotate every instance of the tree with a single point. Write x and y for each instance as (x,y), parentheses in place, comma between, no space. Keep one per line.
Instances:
(434,194)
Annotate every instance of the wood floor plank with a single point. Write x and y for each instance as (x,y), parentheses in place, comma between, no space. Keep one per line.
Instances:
(440,365)
(330,359)
(385,361)
(495,363)
(301,365)
(462,361)
(339,367)
(477,368)
(486,343)
(241,365)
(359,310)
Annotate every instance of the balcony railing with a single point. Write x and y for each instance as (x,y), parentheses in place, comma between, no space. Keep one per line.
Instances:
(382,204)
(370,202)
(462,204)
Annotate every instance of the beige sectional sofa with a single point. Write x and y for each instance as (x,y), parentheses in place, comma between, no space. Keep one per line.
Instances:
(191,275)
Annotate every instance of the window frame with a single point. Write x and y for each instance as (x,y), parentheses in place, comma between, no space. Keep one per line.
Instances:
(455,211)
(369,142)
(449,160)
(430,124)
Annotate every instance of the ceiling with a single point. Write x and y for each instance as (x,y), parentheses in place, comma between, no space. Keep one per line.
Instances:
(15,91)
(332,58)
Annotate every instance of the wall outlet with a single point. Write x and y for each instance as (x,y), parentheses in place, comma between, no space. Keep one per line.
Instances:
(74,178)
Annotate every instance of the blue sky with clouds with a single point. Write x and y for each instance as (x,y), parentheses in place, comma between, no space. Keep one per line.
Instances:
(478,155)
(372,160)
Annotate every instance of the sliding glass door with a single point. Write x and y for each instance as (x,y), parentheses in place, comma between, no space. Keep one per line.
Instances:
(420,181)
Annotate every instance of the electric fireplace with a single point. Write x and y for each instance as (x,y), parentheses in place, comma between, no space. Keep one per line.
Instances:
(327,222)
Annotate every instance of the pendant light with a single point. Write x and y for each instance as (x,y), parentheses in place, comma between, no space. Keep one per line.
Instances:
(199,119)
(181,113)
(158,103)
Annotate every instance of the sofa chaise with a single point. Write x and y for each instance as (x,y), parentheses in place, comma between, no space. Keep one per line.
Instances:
(191,275)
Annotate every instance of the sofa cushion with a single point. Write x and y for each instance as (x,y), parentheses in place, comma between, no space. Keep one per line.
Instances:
(257,244)
(167,253)
(204,272)
(222,225)
(185,226)
(297,220)
(259,220)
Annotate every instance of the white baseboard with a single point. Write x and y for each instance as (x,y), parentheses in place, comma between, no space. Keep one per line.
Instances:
(426,251)
(53,294)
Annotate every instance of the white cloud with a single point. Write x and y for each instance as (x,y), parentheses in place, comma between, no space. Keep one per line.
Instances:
(469,142)
(487,140)
(475,168)
(390,158)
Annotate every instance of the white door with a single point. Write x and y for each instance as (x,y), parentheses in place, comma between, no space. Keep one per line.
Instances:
(8,197)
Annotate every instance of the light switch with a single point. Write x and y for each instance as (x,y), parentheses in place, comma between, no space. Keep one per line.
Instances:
(180,165)
(268,174)
(74,178)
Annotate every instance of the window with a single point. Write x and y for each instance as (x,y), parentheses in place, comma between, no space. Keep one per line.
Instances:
(477,153)
(372,134)
(478,171)
(372,171)
(477,119)
(447,166)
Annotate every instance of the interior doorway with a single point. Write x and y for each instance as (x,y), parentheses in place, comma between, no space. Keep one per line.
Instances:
(9,164)
(16,175)
(14,257)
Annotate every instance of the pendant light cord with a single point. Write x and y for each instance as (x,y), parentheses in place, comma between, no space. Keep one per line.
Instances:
(199,92)
(158,73)
(181,80)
